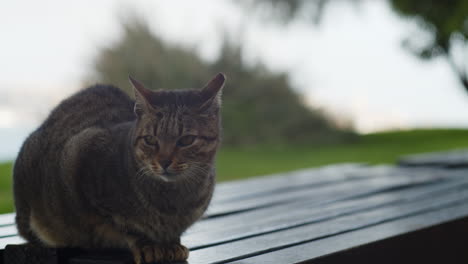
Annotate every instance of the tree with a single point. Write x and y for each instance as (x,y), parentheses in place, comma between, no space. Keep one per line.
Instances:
(259,106)
(445,24)
(151,60)
(286,10)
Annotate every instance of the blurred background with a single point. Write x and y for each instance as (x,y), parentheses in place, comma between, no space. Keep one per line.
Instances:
(309,82)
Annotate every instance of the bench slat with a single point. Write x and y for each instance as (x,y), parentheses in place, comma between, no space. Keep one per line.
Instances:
(396,177)
(269,242)
(10,240)
(7,219)
(448,159)
(295,179)
(225,230)
(238,190)
(366,237)
(312,199)
(8,231)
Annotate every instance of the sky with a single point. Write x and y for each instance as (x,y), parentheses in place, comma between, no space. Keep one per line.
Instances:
(352,65)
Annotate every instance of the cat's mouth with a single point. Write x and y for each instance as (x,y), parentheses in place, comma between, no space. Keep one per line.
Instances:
(167,176)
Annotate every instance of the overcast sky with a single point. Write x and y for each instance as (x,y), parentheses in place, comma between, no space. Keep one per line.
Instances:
(352,65)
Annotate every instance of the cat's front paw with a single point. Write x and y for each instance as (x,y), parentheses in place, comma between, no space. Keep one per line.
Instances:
(160,253)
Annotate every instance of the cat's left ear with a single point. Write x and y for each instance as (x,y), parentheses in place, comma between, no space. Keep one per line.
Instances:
(211,93)
(142,95)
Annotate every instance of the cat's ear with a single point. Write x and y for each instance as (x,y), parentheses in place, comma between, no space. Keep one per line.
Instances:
(211,93)
(142,95)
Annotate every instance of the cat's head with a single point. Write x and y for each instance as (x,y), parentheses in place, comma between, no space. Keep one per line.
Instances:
(177,132)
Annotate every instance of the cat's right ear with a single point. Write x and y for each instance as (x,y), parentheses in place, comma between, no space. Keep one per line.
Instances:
(211,93)
(142,96)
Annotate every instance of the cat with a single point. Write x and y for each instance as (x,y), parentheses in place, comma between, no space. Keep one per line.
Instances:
(104,171)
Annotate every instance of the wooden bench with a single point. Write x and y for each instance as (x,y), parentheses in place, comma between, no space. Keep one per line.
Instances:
(348,213)
(446,159)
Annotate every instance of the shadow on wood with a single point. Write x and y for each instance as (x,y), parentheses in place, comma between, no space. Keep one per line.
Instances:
(445,243)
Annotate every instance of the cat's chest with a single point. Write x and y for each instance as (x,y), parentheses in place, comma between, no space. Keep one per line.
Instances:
(157,212)
(159,203)
(158,225)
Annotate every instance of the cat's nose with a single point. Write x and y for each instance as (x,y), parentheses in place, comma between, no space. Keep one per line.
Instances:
(165,163)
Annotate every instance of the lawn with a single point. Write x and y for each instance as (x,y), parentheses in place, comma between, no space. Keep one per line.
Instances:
(239,163)
(6,195)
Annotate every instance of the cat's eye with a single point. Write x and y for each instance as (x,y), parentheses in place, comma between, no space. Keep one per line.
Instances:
(150,140)
(186,140)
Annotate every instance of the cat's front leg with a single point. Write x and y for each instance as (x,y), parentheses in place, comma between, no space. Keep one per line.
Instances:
(146,253)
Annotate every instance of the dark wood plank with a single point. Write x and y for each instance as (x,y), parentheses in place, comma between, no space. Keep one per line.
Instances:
(8,231)
(291,181)
(319,198)
(10,241)
(443,243)
(295,179)
(16,254)
(225,230)
(336,200)
(103,258)
(384,176)
(330,249)
(29,254)
(274,241)
(7,219)
(445,159)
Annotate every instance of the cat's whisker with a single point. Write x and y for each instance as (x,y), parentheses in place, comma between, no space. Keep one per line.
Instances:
(149,171)
(200,167)
(143,172)
(195,170)
(190,180)
(140,170)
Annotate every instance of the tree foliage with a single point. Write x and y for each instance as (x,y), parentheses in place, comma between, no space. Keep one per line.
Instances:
(285,10)
(446,23)
(443,24)
(145,56)
(259,106)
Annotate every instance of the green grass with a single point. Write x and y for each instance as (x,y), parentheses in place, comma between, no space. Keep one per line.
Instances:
(6,195)
(240,163)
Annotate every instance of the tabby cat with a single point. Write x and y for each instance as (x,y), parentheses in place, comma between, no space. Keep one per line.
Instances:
(104,171)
